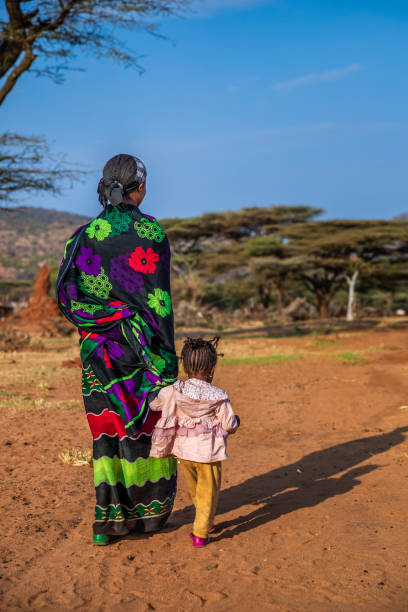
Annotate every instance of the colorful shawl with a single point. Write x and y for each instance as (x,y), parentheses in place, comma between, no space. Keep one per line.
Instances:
(114,285)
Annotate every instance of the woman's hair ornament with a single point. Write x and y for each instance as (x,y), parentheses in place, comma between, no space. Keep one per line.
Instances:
(111,191)
(121,174)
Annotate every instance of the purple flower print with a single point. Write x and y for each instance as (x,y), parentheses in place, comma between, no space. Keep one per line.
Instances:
(72,291)
(134,286)
(89,262)
(123,274)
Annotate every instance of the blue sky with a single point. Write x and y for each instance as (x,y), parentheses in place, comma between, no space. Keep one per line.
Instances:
(247,103)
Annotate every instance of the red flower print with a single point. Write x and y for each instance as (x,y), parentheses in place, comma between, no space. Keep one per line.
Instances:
(143,261)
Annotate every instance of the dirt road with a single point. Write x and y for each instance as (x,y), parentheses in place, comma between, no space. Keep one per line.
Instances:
(313,511)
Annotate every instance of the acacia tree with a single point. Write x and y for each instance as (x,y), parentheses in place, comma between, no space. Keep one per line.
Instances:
(48,33)
(355,266)
(43,37)
(273,248)
(271,268)
(387,276)
(230,245)
(329,248)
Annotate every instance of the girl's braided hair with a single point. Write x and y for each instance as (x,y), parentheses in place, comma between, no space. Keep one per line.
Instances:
(199,355)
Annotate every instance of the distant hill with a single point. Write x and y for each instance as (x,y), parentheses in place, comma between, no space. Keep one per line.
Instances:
(32,236)
(403,217)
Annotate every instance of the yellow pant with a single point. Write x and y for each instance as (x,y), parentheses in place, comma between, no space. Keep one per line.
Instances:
(203,481)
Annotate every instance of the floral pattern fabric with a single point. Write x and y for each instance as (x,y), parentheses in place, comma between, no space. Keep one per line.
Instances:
(197,389)
(114,286)
(96,285)
(88,262)
(99,229)
(143,261)
(124,275)
(150,229)
(119,223)
(160,301)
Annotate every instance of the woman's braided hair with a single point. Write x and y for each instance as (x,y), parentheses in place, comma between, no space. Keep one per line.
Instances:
(199,355)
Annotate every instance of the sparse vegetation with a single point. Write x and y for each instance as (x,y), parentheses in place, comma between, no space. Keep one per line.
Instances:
(13,340)
(353,358)
(267,359)
(76,456)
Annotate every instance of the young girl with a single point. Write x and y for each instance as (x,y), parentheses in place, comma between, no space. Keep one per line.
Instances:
(195,421)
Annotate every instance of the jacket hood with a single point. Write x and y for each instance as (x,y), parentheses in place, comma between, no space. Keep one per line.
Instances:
(194,408)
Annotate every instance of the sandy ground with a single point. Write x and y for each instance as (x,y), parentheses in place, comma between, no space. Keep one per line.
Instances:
(313,511)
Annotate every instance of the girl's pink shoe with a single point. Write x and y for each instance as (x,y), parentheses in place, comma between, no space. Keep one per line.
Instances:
(198,541)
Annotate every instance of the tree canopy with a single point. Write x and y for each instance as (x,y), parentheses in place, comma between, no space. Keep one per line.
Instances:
(44,35)
(257,253)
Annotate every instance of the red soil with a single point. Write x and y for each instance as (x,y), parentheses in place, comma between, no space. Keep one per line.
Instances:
(312,515)
(41,307)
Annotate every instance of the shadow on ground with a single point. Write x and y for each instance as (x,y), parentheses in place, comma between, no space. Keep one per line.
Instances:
(313,479)
(302,328)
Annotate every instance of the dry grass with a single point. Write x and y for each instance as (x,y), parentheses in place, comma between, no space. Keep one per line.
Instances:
(76,456)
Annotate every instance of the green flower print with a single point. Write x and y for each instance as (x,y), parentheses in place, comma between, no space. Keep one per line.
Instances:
(158,362)
(149,229)
(160,301)
(96,285)
(169,358)
(89,308)
(118,220)
(99,229)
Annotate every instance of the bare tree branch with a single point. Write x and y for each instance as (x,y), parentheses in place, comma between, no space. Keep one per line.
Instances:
(26,165)
(36,31)
(53,29)
(14,75)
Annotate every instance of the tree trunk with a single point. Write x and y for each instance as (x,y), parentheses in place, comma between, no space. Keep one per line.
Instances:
(389,298)
(351,281)
(279,303)
(322,303)
(14,75)
(265,296)
(9,54)
(12,44)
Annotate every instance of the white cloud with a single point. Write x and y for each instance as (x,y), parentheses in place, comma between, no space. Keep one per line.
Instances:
(326,76)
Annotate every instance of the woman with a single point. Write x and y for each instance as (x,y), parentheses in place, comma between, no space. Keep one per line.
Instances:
(114,285)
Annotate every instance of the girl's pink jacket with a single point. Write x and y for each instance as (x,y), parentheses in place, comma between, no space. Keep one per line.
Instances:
(196,418)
